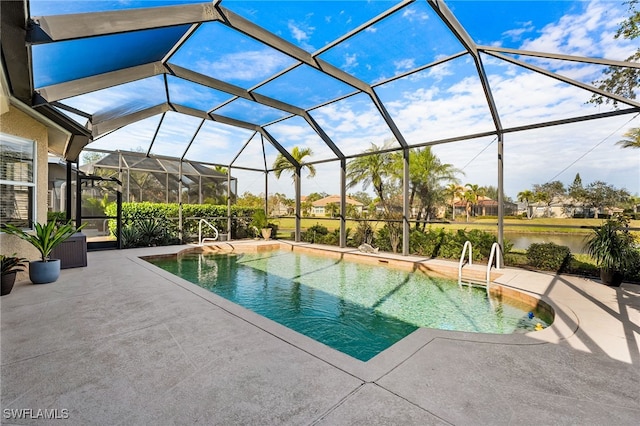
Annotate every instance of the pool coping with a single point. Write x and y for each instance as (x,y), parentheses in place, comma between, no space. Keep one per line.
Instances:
(564,325)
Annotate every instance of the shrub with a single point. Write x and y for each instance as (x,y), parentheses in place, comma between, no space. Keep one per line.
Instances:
(516,258)
(152,234)
(633,272)
(332,238)
(426,243)
(166,217)
(58,217)
(383,238)
(448,244)
(441,243)
(259,219)
(582,264)
(363,234)
(130,236)
(314,234)
(482,242)
(549,256)
(451,245)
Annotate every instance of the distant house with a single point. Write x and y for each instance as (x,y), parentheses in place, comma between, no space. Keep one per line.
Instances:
(566,207)
(319,206)
(280,209)
(485,206)
(560,207)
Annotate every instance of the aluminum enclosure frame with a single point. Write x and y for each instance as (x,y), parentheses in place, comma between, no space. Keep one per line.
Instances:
(19,30)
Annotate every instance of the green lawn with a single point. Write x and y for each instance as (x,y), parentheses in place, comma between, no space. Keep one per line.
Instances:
(538,225)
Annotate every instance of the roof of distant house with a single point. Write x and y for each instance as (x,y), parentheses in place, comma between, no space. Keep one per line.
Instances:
(335,199)
(482,201)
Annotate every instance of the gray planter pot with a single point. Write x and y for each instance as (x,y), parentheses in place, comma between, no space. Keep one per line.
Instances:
(8,280)
(44,272)
(611,278)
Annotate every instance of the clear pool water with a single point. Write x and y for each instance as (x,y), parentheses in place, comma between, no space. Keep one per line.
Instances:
(358,309)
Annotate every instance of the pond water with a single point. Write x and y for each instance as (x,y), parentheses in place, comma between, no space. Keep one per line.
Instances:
(522,240)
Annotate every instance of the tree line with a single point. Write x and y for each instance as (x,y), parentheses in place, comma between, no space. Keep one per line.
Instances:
(596,197)
(432,185)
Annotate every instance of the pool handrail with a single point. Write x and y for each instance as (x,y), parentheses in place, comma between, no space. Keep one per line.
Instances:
(460,264)
(202,240)
(496,253)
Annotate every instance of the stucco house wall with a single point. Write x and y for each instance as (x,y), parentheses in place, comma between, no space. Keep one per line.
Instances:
(16,123)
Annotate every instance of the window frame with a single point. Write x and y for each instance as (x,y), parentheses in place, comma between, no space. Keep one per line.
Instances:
(34,175)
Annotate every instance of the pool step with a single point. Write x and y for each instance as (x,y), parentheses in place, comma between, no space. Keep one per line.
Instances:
(477,273)
(473,282)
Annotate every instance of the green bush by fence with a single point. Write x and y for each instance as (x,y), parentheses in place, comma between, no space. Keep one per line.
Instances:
(165,216)
(549,256)
(448,244)
(435,243)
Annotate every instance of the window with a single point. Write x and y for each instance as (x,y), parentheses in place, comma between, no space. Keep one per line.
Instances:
(17,181)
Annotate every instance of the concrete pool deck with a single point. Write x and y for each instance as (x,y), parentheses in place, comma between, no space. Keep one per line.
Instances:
(123,342)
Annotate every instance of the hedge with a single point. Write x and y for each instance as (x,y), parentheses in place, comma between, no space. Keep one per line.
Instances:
(166,216)
(549,256)
(442,243)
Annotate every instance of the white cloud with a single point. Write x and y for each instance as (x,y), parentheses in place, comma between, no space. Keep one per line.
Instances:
(217,143)
(296,32)
(246,66)
(440,71)
(352,124)
(252,156)
(404,64)
(516,33)
(301,32)
(581,33)
(129,138)
(350,61)
(118,100)
(412,14)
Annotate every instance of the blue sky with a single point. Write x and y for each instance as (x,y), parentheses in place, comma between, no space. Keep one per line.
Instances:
(441,102)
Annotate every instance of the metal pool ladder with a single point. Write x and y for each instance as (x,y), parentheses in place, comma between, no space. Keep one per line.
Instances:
(497,255)
(494,256)
(467,244)
(202,240)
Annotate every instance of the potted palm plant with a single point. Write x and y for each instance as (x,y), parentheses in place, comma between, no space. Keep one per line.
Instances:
(45,238)
(10,266)
(612,245)
(260,222)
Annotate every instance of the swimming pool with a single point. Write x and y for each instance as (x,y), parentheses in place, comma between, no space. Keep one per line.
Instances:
(358,309)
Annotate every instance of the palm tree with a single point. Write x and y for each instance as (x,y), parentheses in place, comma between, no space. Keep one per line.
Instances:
(470,199)
(426,175)
(376,168)
(453,191)
(634,202)
(371,169)
(281,164)
(331,209)
(632,138)
(526,196)
(472,194)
